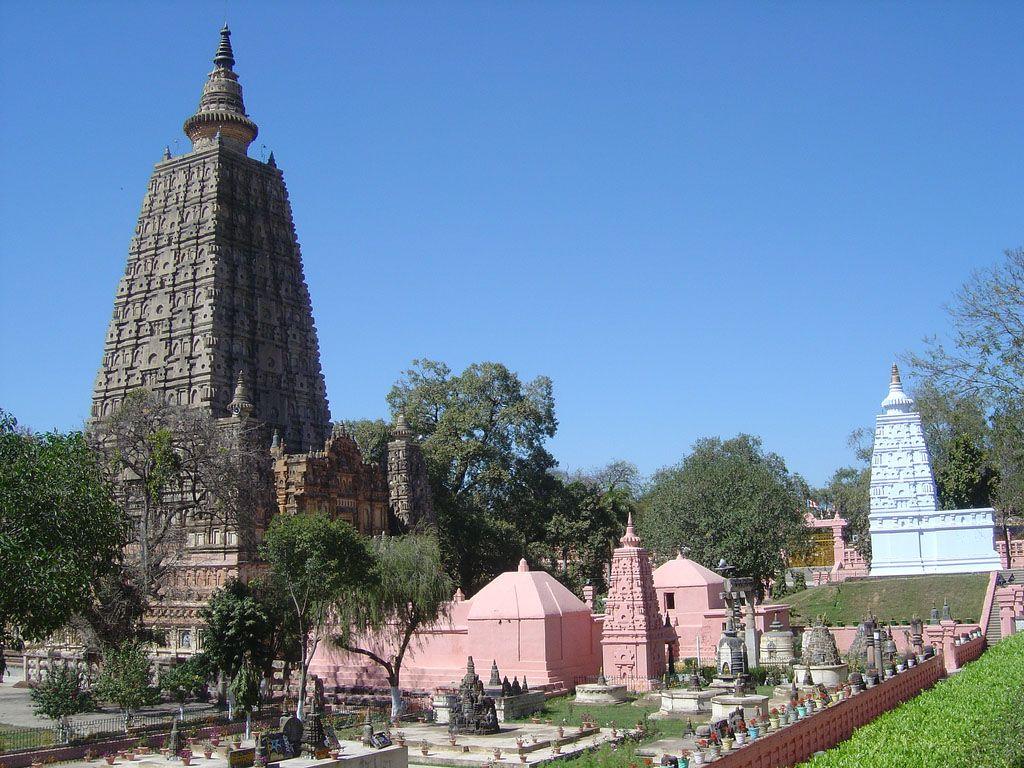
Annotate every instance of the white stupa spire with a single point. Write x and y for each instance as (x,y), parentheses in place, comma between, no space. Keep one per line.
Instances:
(897,400)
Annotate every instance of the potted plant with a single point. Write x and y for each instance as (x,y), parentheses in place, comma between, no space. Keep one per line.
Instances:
(684,759)
(497,753)
(556,748)
(208,750)
(561,732)
(90,755)
(400,738)
(186,756)
(424,748)
(110,757)
(215,738)
(901,663)
(773,719)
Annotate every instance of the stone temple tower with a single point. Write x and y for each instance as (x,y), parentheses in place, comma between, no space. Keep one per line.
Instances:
(214,287)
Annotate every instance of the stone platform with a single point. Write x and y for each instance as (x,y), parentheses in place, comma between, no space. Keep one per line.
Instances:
(477,750)
(596,693)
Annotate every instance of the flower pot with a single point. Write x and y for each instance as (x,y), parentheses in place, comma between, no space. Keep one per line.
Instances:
(522,757)
(215,742)
(208,753)
(727,744)
(109,759)
(186,760)
(741,738)
(698,758)
(753,731)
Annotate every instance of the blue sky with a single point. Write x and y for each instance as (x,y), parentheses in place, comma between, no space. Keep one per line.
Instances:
(696,218)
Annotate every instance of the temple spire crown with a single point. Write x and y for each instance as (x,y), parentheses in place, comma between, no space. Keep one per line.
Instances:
(630,539)
(221,116)
(225,57)
(897,400)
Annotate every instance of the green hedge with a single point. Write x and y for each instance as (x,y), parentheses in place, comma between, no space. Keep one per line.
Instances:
(974,718)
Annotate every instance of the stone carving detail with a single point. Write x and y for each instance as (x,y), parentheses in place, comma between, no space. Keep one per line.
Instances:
(408,486)
(335,480)
(634,633)
(214,285)
(819,646)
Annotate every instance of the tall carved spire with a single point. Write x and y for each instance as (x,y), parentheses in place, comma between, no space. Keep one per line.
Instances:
(221,114)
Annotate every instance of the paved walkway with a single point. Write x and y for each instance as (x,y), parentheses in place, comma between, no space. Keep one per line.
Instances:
(16,707)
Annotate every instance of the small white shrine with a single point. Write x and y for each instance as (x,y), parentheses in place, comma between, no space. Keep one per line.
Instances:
(909,533)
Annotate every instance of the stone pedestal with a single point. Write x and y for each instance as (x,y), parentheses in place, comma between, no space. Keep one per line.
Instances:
(752,705)
(829,674)
(516,707)
(683,703)
(596,693)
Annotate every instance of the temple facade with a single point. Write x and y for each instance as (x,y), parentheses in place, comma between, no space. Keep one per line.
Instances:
(213,313)
(909,533)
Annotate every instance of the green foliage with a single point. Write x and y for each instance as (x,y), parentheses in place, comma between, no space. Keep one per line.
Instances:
(605,757)
(249,620)
(847,492)
(975,718)
(585,522)
(409,589)
(61,694)
(186,678)
(125,679)
(890,599)
(59,529)
(483,432)
(727,499)
(371,436)
(245,686)
(314,560)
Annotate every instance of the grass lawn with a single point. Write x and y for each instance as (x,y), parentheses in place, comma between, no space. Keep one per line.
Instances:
(623,716)
(18,737)
(891,599)
(974,719)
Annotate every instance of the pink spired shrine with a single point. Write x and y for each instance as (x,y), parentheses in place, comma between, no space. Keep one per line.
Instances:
(534,628)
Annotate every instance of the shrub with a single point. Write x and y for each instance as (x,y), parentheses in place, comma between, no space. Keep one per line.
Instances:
(125,678)
(61,695)
(974,718)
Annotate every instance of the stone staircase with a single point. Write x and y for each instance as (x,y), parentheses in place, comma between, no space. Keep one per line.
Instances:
(993,632)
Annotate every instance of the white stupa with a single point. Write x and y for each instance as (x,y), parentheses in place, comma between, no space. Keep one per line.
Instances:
(909,533)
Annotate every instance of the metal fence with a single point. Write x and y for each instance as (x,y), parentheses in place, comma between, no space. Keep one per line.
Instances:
(96,728)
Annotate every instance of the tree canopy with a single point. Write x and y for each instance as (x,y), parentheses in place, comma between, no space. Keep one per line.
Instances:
(484,434)
(409,590)
(59,529)
(313,560)
(727,499)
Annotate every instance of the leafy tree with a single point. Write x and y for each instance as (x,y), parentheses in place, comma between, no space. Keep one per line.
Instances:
(848,492)
(409,590)
(314,559)
(251,621)
(372,436)
(125,679)
(484,433)
(245,687)
(727,499)
(186,678)
(62,694)
(59,530)
(580,534)
(985,356)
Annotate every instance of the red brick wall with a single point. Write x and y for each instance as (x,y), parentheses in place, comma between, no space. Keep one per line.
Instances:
(823,730)
(969,651)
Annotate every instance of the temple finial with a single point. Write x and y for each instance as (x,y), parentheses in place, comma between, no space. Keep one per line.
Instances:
(224,57)
(894,381)
(630,539)
(241,404)
(221,118)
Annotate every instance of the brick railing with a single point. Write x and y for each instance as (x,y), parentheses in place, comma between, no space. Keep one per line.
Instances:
(823,730)
(969,651)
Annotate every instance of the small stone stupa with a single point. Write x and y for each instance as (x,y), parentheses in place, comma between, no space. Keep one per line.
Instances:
(820,663)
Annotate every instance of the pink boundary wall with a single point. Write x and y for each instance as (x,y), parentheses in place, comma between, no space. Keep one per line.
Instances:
(823,730)
(524,620)
(1016,556)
